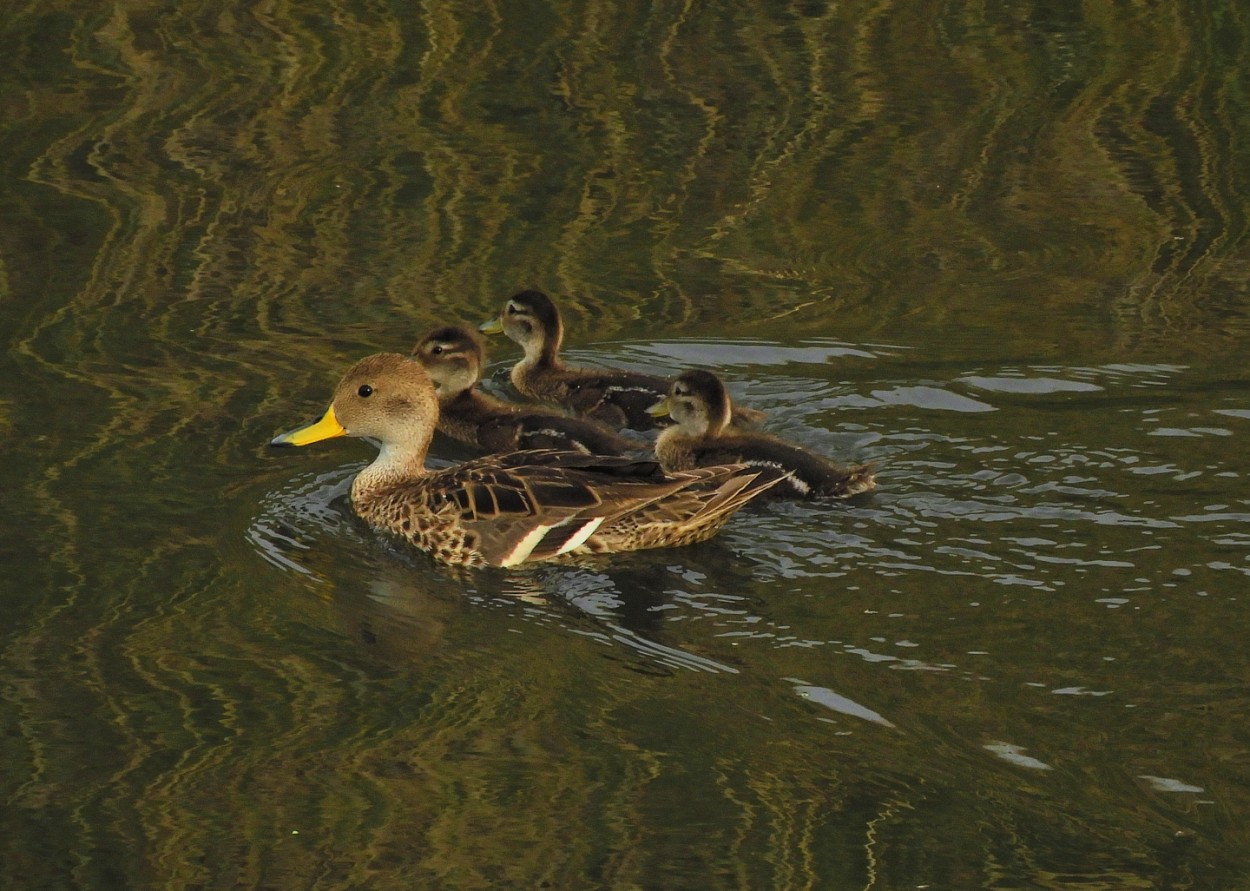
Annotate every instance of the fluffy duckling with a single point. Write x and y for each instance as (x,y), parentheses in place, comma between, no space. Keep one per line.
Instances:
(453,358)
(505,510)
(615,397)
(702,437)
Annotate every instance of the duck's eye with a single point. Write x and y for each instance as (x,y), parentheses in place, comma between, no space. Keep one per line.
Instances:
(512,309)
(436,350)
(365,391)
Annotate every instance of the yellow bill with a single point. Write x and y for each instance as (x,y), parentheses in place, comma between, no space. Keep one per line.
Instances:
(327,427)
(660,409)
(494,326)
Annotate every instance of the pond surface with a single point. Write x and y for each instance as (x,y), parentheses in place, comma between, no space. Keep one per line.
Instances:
(1000,252)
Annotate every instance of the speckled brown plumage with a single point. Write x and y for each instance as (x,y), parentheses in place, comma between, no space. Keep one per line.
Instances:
(701,406)
(614,397)
(503,510)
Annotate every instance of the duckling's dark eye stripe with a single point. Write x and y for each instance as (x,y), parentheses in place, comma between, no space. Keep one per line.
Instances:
(365,390)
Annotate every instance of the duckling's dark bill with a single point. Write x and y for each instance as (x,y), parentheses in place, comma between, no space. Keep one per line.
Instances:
(326,427)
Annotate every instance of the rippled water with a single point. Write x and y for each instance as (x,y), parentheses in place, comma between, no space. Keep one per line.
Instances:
(1000,252)
(1013,631)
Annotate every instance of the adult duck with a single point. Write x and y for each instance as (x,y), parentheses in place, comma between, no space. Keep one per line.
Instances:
(520,507)
(702,437)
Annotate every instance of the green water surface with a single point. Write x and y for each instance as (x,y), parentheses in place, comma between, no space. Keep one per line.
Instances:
(999,250)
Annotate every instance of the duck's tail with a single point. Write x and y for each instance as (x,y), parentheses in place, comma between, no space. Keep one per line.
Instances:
(692,509)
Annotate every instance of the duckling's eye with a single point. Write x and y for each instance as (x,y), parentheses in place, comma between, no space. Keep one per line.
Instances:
(365,391)
(512,309)
(436,350)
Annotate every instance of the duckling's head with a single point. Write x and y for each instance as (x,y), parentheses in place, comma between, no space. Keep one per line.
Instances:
(532,320)
(699,403)
(386,397)
(453,357)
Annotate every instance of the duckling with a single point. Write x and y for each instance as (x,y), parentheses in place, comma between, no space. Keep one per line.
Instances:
(520,507)
(701,406)
(453,358)
(615,397)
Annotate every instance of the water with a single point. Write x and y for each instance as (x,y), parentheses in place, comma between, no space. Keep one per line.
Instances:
(1001,253)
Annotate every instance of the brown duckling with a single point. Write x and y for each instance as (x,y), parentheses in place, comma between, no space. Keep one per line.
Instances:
(702,437)
(615,397)
(453,357)
(505,510)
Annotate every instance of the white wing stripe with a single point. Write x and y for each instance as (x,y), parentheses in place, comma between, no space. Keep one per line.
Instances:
(525,546)
(578,538)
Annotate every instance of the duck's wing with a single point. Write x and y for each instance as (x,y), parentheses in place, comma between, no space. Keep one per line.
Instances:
(540,431)
(619,399)
(809,474)
(534,505)
(693,510)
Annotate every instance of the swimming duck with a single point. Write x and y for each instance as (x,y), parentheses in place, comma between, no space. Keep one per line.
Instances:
(615,397)
(453,358)
(505,510)
(702,437)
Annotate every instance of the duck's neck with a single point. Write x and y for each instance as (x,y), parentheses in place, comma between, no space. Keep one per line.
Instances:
(669,437)
(541,352)
(678,434)
(396,463)
(672,448)
(541,357)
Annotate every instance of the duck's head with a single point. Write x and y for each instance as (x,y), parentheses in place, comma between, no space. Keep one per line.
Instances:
(532,320)
(453,357)
(698,402)
(386,397)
